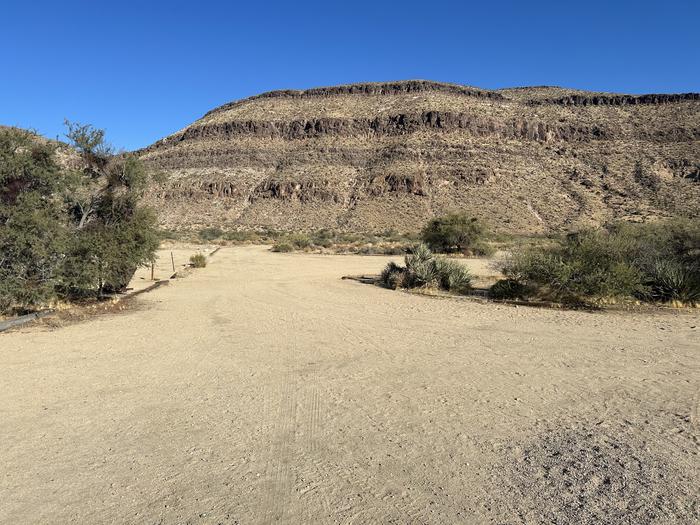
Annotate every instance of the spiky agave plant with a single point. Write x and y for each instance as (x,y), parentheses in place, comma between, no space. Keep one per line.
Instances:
(672,281)
(451,275)
(420,269)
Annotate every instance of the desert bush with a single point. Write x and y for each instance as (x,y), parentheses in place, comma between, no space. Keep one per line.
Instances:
(210,234)
(282,247)
(656,261)
(424,269)
(508,289)
(323,238)
(481,249)
(455,232)
(198,260)
(420,268)
(392,275)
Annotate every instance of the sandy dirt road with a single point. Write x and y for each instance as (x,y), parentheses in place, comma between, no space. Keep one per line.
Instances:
(264,389)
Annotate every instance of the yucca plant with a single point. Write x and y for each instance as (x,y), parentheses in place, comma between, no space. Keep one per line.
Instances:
(451,275)
(423,268)
(671,281)
(420,270)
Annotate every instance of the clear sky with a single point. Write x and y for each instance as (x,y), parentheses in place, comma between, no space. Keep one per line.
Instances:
(145,69)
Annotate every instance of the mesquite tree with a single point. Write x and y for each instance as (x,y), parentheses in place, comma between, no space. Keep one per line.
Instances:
(69,232)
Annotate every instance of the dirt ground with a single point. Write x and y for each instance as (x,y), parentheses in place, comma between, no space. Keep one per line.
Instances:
(264,389)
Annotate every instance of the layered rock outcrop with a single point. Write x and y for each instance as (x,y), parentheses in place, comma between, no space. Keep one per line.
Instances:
(390,155)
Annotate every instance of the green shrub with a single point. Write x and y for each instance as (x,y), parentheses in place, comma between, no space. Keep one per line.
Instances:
(282,247)
(508,289)
(657,261)
(210,234)
(323,238)
(455,232)
(198,260)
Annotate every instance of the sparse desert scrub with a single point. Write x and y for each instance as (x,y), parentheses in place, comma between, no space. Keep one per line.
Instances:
(242,236)
(328,241)
(656,262)
(210,234)
(198,260)
(425,269)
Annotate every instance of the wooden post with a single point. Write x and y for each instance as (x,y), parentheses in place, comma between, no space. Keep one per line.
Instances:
(172,259)
(153,264)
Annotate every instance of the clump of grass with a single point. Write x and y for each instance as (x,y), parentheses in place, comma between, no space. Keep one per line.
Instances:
(198,260)
(425,269)
(392,276)
(452,275)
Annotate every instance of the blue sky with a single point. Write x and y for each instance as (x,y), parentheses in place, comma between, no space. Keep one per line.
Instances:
(142,70)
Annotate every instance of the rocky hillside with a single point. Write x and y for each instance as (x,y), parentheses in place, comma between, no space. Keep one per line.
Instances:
(368,157)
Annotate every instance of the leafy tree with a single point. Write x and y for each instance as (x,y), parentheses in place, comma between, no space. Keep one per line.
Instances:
(32,229)
(69,233)
(114,235)
(455,232)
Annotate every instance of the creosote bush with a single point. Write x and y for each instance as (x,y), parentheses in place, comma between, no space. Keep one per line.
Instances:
(198,260)
(650,262)
(425,269)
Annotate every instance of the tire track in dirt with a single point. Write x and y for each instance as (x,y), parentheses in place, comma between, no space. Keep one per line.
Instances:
(311,465)
(277,503)
(295,442)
